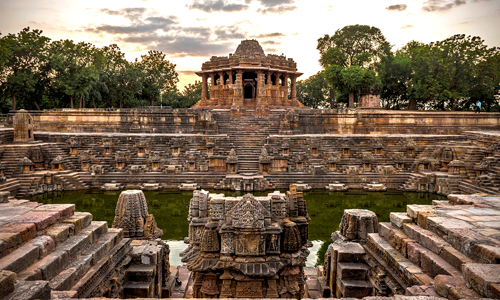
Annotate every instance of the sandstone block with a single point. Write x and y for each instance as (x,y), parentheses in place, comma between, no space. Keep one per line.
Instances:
(7,282)
(443,283)
(30,290)
(27,230)
(353,288)
(95,230)
(11,239)
(101,247)
(422,218)
(66,279)
(64,210)
(41,219)
(79,220)
(348,252)
(425,237)
(442,225)
(384,229)
(454,257)
(60,232)
(422,290)
(44,243)
(138,290)
(464,240)
(398,219)
(75,245)
(140,273)
(413,209)
(352,271)
(60,295)
(414,251)
(19,259)
(357,223)
(52,264)
(396,238)
(434,265)
(482,278)
(422,279)
(487,254)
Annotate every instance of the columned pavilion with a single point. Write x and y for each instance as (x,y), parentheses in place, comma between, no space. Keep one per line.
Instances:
(250,79)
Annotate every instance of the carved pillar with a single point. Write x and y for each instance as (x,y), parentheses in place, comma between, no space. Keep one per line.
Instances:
(222,98)
(204,87)
(213,93)
(238,89)
(261,88)
(293,92)
(284,100)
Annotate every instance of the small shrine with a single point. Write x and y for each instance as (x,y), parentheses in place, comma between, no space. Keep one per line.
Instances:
(247,247)
(249,79)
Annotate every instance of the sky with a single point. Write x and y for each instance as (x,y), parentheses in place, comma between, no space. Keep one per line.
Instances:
(189,32)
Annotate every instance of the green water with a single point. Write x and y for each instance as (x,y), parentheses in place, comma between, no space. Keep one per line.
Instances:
(171,210)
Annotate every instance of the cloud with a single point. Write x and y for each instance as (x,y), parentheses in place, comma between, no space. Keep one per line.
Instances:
(151,24)
(217,5)
(442,5)
(397,7)
(131,13)
(183,46)
(407,26)
(270,43)
(274,3)
(269,35)
(229,33)
(281,9)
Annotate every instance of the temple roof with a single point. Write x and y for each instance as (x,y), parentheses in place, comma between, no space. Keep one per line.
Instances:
(249,49)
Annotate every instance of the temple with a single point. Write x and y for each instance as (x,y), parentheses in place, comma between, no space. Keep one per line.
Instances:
(249,78)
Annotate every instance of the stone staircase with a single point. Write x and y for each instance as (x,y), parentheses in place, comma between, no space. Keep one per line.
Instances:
(52,247)
(430,251)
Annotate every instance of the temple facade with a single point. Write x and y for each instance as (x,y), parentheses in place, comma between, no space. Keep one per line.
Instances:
(249,78)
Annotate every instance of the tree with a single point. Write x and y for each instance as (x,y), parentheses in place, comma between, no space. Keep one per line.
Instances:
(159,75)
(350,57)
(315,92)
(74,67)
(21,62)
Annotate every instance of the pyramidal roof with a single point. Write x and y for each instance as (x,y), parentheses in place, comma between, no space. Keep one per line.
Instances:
(249,48)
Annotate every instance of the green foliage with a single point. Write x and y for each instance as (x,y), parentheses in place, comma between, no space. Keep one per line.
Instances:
(36,73)
(185,99)
(350,56)
(315,92)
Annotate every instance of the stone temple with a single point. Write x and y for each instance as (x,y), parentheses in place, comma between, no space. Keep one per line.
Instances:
(249,79)
(249,134)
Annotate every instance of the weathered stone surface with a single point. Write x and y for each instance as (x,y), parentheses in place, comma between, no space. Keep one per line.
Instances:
(442,225)
(384,229)
(95,230)
(141,273)
(483,278)
(426,238)
(138,290)
(30,290)
(75,245)
(351,271)
(434,265)
(11,239)
(413,209)
(44,243)
(348,252)
(20,258)
(27,230)
(64,210)
(66,279)
(357,223)
(353,288)
(46,268)
(422,290)
(79,220)
(131,214)
(486,253)
(454,257)
(7,281)
(464,240)
(398,219)
(414,251)
(41,219)
(60,232)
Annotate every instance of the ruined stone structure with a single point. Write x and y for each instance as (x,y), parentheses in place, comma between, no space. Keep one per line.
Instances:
(132,216)
(249,79)
(23,127)
(247,247)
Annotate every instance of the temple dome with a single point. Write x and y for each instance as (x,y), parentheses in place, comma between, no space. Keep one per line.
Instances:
(249,48)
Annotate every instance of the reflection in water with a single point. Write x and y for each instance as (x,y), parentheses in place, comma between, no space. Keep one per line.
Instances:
(171,210)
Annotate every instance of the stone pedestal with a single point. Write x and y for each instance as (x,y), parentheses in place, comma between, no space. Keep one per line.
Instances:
(357,223)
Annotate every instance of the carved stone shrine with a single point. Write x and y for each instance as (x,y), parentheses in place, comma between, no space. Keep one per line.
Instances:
(247,247)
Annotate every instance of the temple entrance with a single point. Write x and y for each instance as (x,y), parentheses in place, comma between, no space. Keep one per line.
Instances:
(249,85)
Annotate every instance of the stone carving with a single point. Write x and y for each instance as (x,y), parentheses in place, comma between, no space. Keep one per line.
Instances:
(261,84)
(246,241)
(131,214)
(23,127)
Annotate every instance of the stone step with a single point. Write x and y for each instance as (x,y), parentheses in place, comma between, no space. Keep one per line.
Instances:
(140,273)
(30,290)
(353,289)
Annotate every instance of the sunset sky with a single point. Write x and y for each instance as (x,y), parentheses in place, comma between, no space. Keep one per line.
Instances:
(190,31)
